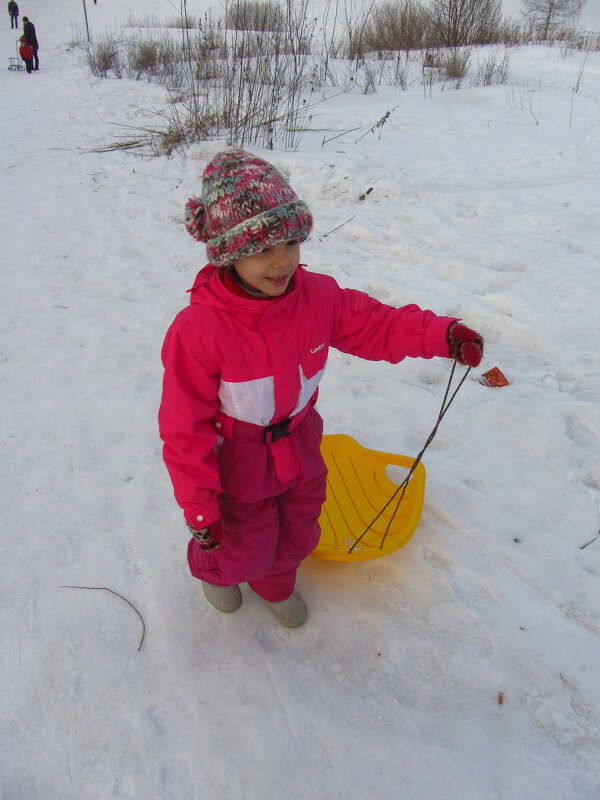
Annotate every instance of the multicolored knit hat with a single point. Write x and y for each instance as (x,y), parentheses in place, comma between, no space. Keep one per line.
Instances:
(246,206)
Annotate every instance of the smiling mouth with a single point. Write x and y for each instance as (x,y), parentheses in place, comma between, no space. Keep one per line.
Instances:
(280,279)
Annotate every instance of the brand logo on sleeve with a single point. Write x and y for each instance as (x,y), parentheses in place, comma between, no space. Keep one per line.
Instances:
(316,349)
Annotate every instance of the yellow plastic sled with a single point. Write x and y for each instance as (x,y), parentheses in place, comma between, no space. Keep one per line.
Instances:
(357,490)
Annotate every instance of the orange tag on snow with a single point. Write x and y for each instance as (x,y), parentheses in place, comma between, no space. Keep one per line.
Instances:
(493,377)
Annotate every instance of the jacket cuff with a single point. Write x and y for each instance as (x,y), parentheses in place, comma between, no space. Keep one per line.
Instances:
(436,343)
(201,516)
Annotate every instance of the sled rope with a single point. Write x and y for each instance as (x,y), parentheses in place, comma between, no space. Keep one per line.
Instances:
(401,489)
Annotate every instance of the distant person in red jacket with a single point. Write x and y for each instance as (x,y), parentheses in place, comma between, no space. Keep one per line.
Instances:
(13,13)
(26,53)
(31,38)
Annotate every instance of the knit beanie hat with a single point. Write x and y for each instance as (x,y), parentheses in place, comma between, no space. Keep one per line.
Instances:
(246,206)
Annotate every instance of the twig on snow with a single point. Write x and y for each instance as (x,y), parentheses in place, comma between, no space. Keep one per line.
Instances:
(379,124)
(590,541)
(337,136)
(106,589)
(338,227)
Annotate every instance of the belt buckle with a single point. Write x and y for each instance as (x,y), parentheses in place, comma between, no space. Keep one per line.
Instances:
(273,433)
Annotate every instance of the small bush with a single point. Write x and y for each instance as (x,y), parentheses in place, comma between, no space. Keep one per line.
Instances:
(142,57)
(511,34)
(143,22)
(368,78)
(181,22)
(250,15)
(103,56)
(397,26)
(455,65)
(399,75)
(78,37)
(492,71)
(205,63)
(160,59)
(211,36)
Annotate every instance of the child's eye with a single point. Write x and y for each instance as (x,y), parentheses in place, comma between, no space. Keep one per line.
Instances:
(292,242)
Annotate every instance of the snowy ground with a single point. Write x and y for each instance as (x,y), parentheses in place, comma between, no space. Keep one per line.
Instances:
(391,689)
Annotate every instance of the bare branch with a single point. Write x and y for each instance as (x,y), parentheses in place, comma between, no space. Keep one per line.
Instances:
(106,589)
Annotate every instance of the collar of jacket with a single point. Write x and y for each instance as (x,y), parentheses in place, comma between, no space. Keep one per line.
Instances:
(209,290)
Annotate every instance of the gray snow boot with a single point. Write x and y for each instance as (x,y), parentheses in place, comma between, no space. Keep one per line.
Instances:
(291,612)
(223,598)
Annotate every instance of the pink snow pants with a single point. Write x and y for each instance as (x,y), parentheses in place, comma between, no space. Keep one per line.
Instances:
(270,507)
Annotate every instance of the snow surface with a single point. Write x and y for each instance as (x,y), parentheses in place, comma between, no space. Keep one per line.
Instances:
(484,205)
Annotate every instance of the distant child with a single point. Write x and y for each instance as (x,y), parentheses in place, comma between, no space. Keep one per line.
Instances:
(242,365)
(13,13)
(26,53)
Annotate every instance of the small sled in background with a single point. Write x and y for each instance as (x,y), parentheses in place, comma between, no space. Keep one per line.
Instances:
(16,63)
(357,520)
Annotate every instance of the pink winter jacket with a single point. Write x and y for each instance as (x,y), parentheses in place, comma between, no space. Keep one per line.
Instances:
(261,361)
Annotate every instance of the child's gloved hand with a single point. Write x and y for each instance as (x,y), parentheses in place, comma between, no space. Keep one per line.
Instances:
(466,345)
(208,538)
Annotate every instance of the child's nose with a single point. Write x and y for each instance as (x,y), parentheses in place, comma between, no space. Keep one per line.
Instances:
(281,257)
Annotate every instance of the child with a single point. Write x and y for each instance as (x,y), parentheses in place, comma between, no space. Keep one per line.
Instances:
(26,53)
(242,365)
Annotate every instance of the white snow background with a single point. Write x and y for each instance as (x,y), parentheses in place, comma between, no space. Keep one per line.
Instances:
(484,205)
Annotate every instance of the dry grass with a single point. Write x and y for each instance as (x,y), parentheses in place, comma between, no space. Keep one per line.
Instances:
(253,74)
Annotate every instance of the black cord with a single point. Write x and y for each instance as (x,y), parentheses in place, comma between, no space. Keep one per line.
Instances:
(402,487)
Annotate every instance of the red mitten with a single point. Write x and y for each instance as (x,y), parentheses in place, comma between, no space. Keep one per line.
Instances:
(465,345)
(208,538)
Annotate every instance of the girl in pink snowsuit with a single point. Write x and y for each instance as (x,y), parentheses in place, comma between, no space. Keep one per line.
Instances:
(242,366)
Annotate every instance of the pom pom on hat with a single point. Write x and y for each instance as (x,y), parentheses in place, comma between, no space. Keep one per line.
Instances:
(194,219)
(247,205)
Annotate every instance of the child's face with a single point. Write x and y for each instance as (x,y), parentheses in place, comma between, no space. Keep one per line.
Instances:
(271,270)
